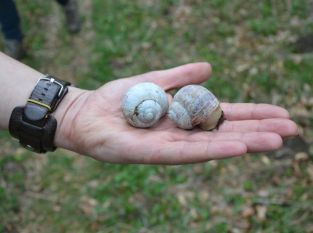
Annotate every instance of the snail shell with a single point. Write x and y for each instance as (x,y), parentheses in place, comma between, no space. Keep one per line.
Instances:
(144,104)
(195,105)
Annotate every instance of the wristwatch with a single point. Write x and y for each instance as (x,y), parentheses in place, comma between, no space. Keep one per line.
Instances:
(32,124)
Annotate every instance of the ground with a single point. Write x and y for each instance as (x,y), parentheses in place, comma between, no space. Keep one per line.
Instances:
(250,45)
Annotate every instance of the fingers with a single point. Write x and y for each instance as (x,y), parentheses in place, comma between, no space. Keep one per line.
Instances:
(283,127)
(207,147)
(193,73)
(195,152)
(255,141)
(242,111)
(262,142)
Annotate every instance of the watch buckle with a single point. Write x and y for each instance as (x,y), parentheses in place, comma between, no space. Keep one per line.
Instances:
(52,80)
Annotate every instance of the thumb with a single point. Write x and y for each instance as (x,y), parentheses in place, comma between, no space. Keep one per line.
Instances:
(192,73)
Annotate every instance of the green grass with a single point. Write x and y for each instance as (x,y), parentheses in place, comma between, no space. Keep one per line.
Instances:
(252,61)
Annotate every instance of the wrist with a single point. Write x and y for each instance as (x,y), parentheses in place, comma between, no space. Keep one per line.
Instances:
(66,114)
(33,124)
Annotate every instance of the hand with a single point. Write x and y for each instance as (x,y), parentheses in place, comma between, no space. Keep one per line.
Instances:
(92,123)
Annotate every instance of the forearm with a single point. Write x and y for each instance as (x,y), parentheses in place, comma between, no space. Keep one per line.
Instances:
(16,84)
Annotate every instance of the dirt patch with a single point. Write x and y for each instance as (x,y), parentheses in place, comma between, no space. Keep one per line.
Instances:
(67,56)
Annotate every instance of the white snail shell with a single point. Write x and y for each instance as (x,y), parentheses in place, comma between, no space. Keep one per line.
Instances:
(195,105)
(144,104)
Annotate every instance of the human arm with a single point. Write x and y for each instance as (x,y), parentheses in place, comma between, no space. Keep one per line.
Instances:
(91,122)
(16,84)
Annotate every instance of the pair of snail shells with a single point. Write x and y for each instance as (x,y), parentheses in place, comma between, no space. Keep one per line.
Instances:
(195,105)
(144,104)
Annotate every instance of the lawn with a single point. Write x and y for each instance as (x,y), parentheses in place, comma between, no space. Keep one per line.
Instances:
(250,46)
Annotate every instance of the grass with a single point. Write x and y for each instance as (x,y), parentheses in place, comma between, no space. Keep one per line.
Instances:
(248,44)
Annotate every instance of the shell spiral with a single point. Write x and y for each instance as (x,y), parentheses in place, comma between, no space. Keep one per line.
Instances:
(195,105)
(144,104)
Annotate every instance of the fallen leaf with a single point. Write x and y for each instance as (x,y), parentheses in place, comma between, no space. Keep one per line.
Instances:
(261,212)
(247,212)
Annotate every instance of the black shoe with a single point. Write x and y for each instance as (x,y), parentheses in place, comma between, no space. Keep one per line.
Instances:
(71,11)
(14,49)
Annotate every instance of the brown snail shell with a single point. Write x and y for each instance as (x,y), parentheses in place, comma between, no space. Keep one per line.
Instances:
(195,105)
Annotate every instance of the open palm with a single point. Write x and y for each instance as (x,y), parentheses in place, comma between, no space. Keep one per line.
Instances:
(94,125)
